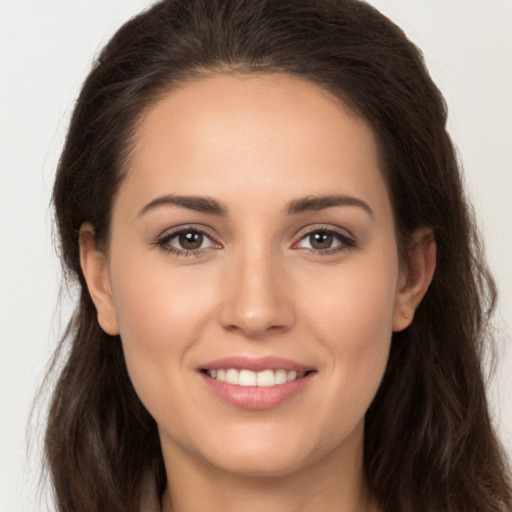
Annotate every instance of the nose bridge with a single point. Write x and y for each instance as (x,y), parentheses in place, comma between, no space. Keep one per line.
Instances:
(255,299)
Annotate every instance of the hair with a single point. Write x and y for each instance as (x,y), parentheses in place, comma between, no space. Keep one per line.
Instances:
(429,440)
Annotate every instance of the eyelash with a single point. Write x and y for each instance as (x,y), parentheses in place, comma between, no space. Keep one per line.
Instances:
(346,242)
(163,242)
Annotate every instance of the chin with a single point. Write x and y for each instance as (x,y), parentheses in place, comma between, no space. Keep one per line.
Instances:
(263,454)
(262,465)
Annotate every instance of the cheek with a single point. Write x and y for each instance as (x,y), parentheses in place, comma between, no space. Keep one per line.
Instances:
(161,314)
(353,320)
(156,303)
(356,300)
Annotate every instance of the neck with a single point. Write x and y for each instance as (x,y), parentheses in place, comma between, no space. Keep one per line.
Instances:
(327,485)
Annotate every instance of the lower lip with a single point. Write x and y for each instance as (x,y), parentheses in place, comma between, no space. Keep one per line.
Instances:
(255,397)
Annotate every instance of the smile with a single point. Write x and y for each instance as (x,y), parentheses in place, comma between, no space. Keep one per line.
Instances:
(256,383)
(265,378)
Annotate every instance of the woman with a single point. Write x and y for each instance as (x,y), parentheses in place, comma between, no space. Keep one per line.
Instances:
(283,301)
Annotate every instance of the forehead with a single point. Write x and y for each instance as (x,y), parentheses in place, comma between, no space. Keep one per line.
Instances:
(256,135)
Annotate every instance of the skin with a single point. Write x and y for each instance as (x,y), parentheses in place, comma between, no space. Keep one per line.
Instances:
(257,287)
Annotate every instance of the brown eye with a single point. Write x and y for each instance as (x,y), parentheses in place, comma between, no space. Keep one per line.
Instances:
(190,240)
(186,242)
(321,240)
(325,240)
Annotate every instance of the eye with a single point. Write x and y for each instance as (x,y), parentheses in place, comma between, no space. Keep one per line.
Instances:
(325,240)
(320,240)
(186,241)
(189,240)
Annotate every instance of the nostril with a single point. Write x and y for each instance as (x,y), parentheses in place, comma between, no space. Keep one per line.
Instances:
(255,309)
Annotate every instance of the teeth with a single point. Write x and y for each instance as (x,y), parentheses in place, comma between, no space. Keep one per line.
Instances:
(265,378)
(247,378)
(232,376)
(280,376)
(291,375)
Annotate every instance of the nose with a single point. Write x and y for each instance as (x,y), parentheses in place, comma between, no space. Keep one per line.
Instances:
(255,298)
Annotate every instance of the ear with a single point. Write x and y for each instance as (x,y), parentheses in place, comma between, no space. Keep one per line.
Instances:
(95,270)
(415,277)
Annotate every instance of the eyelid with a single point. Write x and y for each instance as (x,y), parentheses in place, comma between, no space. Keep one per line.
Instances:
(163,239)
(347,239)
(176,230)
(324,227)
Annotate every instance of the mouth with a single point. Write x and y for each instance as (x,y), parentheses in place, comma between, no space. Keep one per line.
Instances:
(248,378)
(256,383)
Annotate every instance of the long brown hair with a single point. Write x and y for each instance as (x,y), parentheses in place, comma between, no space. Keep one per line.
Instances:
(429,441)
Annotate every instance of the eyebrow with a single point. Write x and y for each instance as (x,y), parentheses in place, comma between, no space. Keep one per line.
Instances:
(313,203)
(196,203)
(213,207)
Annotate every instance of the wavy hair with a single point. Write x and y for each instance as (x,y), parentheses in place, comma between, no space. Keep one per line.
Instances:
(429,440)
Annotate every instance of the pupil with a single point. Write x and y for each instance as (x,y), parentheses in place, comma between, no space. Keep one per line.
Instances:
(321,240)
(191,240)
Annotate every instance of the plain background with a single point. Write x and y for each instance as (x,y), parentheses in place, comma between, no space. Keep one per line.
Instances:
(46,48)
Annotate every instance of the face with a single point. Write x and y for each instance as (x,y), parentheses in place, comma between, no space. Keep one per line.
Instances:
(252,274)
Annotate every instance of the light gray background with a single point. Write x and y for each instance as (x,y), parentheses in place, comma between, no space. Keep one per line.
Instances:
(46,48)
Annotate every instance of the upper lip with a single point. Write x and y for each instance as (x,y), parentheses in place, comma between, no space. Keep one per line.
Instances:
(256,364)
